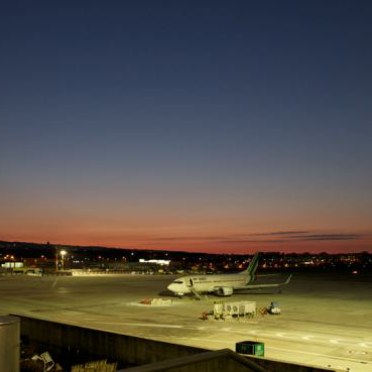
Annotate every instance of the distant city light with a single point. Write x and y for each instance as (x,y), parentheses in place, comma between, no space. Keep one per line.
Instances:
(63,253)
(159,262)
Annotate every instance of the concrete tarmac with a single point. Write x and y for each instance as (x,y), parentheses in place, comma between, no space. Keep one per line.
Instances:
(325,320)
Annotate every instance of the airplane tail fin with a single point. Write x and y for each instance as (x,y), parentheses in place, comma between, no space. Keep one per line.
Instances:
(251,269)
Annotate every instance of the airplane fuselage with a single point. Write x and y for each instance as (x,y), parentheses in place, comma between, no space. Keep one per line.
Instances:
(207,283)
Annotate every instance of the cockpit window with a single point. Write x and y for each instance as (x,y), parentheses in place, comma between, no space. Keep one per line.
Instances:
(178,281)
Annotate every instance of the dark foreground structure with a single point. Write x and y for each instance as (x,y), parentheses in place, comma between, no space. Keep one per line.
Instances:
(72,344)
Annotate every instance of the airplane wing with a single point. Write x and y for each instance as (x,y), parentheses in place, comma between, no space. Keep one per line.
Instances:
(270,285)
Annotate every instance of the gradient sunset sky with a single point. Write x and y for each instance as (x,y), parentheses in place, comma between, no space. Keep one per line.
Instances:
(213,126)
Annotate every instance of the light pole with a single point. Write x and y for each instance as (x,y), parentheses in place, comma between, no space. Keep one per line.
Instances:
(56,256)
(63,254)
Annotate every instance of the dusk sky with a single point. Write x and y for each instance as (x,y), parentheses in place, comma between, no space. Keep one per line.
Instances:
(211,126)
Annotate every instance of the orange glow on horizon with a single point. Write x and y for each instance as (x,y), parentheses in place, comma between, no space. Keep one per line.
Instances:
(236,244)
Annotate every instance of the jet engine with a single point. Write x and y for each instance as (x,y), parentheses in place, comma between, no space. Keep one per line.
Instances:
(223,291)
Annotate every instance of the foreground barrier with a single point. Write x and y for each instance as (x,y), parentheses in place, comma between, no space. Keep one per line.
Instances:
(65,341)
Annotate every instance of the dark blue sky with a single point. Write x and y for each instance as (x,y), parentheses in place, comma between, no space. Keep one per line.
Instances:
(128,122)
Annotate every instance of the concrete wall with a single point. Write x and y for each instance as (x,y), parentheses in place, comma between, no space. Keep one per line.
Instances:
(128,349)
(63,339)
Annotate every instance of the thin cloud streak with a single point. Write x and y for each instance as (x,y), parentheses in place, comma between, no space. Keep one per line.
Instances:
(254,241)
(331,237)
(184,238)
(277,237)
(300,232)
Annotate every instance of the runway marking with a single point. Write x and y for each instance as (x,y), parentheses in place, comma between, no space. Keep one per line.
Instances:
(363,344)
(319,355)
(279,334)
(358,352)
(295,336)
(334,341)
(307,338)
(142,325)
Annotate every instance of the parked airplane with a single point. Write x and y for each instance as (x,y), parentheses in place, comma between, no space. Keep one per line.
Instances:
(221,284)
